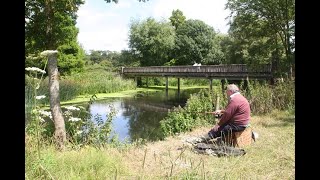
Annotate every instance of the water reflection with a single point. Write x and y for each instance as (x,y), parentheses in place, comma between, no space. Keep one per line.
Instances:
(139,117)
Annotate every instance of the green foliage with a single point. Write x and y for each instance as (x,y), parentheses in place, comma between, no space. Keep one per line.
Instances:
(51,26)
(159,81)
(70,58)
(128,58)
(108,59)
(81,128)
(195,42)
(86,163)
(172,62)
(152,41)
(263,32)
(191,116)
(262,97)
(177,18)
(90,82)
(97,131)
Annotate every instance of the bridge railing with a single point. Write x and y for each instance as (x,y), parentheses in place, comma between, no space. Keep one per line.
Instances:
(230,68)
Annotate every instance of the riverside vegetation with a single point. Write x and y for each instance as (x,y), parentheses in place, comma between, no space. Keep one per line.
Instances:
(91,154)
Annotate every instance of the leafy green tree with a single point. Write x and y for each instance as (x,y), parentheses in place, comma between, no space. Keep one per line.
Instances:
(266,30)
(151,41)
(177,18)
(71,58)
(128,58)
(95,56)
(111,56)
(195,42)
(49,25)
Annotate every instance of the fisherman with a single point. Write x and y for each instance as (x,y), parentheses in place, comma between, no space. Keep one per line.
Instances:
(235,117)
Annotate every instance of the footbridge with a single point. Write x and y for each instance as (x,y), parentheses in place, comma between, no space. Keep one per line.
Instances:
(230,71)
(223,72)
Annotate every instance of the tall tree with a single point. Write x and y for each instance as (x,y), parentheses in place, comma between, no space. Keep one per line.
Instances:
(177,18)
(151,41)
(50,24)
(266,28)
(195,42)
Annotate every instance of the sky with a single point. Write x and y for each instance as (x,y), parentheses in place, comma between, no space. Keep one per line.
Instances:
(105,26)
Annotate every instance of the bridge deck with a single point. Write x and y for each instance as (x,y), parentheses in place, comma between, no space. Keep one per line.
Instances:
(231,71)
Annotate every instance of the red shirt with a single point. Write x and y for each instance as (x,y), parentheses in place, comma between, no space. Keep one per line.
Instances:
(237,111)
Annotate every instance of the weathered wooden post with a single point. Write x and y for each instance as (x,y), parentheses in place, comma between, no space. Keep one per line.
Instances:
(167,88)
(147,82)
(179,88)
(60,132)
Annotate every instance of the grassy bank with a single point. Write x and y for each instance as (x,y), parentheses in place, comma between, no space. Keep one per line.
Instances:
(272,156)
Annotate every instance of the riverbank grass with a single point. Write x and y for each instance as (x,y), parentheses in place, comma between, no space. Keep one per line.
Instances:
(272,156)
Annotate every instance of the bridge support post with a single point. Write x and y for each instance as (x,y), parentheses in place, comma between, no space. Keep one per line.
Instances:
(210,84)
(139,81)
(147,82)
(222,85)
(178,87)
(167,86)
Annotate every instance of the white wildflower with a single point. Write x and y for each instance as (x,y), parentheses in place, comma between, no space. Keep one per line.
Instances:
(79,132)
(45,113)
(35,69)
(40,97)
(67,113)
(72,108)
(41,119)
(47,52)
(33,58)
(73,119)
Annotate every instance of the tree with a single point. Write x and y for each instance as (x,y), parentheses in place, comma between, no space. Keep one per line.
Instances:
(128,58)
(151,41)
(49,25)
(71,58)
(177,18)
(267,29)
(195,42)
(233,50)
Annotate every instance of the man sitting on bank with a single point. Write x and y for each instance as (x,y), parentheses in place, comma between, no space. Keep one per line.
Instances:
(235,117)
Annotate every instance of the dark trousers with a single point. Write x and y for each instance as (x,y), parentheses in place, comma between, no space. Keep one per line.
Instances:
(224,130)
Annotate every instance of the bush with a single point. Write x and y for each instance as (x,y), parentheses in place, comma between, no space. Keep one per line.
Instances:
(262,97)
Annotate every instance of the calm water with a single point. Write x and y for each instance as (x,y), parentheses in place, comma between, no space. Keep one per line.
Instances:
(139,117)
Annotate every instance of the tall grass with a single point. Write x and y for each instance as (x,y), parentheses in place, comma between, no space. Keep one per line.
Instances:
(191,116)
(262,97)
(85,163)
(92,81)
(272,156)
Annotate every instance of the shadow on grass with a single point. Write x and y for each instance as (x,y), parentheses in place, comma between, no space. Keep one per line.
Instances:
(280,122)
